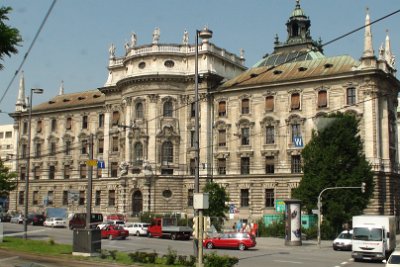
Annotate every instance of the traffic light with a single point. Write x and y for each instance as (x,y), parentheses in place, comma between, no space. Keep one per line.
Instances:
(363,187)
(206,223)
(195,227)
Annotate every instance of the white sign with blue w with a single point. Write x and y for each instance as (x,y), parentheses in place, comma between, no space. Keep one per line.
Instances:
(298,141)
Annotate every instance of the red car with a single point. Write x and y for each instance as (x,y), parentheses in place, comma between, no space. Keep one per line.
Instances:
(114,232)
(238,240)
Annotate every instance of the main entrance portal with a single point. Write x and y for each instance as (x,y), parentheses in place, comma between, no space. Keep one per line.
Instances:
(137,203)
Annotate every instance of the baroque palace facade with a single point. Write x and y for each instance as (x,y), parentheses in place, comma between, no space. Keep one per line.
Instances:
(253,125)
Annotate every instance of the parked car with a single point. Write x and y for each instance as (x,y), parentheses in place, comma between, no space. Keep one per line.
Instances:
(78,220)
(115,217)
(117,222)
(137,228)
(394,259)
(55,222)
(36,219)
(113,231)
(343,241)
(17,218)
(240,240)
(5,217)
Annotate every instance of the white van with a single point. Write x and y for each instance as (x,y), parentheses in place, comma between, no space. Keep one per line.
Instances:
(343,241)
(137,228)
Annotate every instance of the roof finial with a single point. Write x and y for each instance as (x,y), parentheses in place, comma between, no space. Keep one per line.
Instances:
(368,50)
(21,93)
(61,91)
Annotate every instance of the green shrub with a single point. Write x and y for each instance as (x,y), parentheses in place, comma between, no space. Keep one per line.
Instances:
(113,254)
(214,260)
(103,254)
(170,257)
(311,232)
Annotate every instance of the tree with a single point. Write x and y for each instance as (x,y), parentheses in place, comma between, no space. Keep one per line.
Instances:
(9,37)
(334,158)
(218,208)
(7,179)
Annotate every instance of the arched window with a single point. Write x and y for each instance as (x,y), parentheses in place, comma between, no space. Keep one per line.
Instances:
(138,153)
(167,110)
(167,152)
(139,110)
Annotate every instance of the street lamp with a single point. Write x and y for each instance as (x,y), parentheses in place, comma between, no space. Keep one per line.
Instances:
(28,159)
(204,34)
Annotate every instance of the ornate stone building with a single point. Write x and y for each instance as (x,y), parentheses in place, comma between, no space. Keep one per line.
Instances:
(253,125)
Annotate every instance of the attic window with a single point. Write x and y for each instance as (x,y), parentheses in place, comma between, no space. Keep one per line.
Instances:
(276,72)
(81,98)
(169,63)
(142,65)
(51,102)
(252,75)
(96,96)
(328,65)
(66,100)
(302,69)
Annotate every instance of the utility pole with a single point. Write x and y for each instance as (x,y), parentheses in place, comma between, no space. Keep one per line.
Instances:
(89,189)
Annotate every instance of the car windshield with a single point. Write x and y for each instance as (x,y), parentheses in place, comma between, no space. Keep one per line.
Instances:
(367,234)
(394,259)
(345,236)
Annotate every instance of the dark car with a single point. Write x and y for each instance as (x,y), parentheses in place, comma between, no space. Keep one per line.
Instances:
(79,220)
(5,217)
(36,219)
(237,240)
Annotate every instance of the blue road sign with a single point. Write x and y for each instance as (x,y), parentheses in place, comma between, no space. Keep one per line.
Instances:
(298,141)
(101,164)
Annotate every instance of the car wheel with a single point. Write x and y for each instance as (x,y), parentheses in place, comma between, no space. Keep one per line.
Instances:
(210,245)
(110,237)
(137,233)
(242,247)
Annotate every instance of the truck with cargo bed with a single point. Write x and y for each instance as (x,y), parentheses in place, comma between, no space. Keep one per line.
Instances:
(168,227)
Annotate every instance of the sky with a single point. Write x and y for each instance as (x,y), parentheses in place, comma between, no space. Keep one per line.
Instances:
(73,44)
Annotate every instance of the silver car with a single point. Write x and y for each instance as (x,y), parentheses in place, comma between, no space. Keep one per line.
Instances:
(343,241)
(137,228)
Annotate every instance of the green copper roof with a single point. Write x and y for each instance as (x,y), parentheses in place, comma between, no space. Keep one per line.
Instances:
(298,12)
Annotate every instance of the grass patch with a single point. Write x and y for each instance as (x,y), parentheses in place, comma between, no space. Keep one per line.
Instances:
(36,246)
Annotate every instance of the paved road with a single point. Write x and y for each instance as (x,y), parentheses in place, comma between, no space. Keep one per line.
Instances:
(268,252)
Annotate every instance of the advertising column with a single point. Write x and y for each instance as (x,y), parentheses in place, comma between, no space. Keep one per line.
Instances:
(293,222)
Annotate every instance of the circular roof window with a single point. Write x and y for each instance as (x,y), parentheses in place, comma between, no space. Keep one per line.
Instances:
(142,65)
(169,63)
(167,193)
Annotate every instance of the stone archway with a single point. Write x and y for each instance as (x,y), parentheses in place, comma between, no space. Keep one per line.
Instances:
(137,203)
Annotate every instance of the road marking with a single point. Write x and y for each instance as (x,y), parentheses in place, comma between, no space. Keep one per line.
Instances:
(343,263)
(294,262)
(9,259)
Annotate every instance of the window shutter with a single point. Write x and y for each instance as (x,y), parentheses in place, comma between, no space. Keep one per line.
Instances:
(322,99)
(269,103)
(295,101)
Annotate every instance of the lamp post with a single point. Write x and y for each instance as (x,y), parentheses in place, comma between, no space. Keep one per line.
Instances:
(204,34)
(28,159)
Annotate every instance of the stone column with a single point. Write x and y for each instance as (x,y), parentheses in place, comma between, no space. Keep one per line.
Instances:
(106,149)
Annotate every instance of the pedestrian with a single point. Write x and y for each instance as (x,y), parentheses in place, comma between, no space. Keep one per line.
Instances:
(234,226)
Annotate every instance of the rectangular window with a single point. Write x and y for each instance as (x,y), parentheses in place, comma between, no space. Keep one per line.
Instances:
(190,198)
(67,171)
(100,148)
(115,144)
(52,149)
(222,166)
(68,148)
(83,171)
(270,134)
(84,122)
(245,165)
(192,138)
(111,198)
(35,198)
(24,150)
(351,96)
(39,126)
(245,106)
(101,120)
(193,109)
(167,171)
(296,132)
(8,135)
(53,125)
(192,167)
(244,197)
(245,136)
(296,164)
(295,101)
(38,150)
(115,118)
(84,147)
(269,103)
(269,164)
(1,135)
(81,198)
(269,198)
(99,173)
(97,198)
(22,173)
(25,128)
(65,198)
(322,99)
(114,169)
(36,172)
(68,124)
(222,109)
(50,198)
(222,138)
(21,197)
(52,172)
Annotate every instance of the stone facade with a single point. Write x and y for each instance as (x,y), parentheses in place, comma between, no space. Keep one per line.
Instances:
(253,125)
